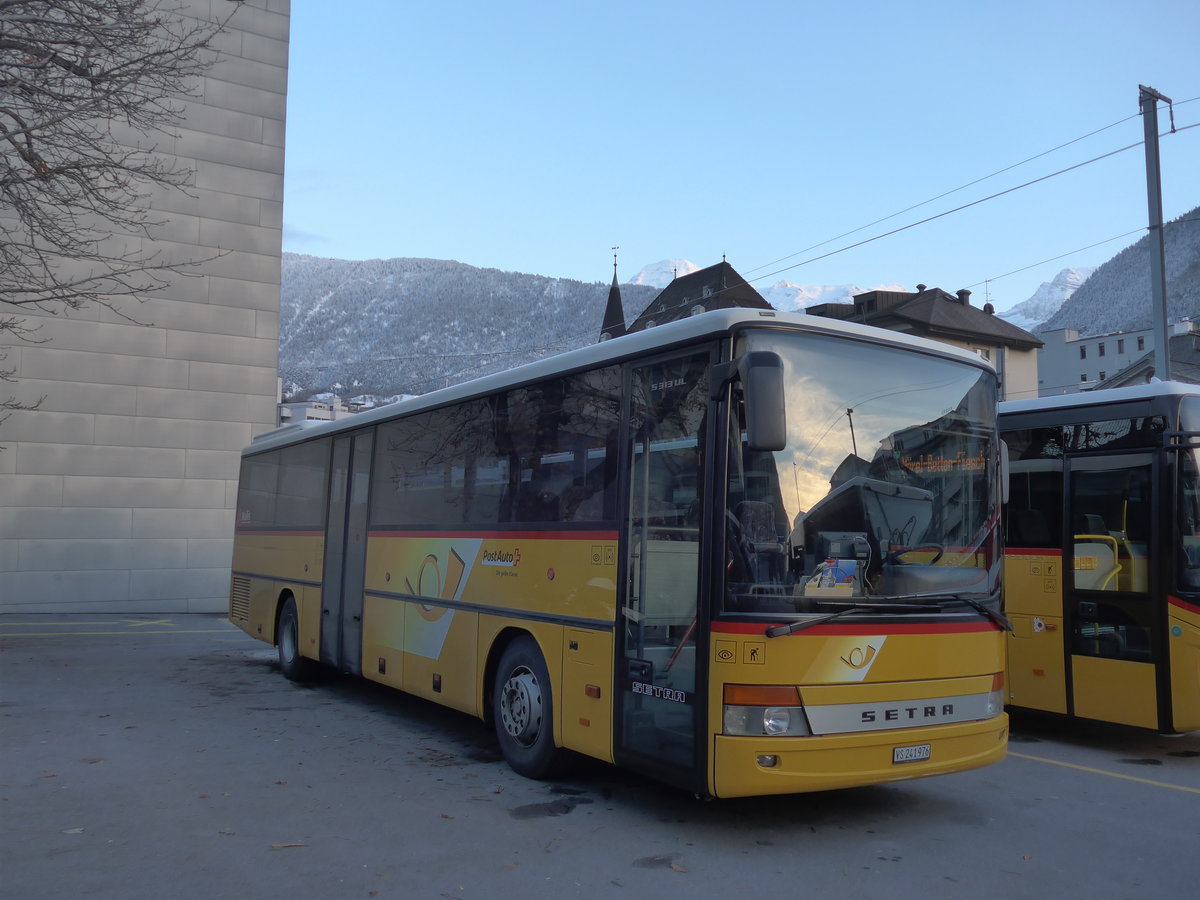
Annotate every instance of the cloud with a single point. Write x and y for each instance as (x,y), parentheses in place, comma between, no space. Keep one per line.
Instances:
(297,239)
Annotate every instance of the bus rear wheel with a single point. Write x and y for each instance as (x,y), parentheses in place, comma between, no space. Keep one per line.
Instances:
(523,710)
(287,639)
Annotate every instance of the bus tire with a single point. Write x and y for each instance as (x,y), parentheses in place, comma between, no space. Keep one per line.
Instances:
(287,640)
(523,710)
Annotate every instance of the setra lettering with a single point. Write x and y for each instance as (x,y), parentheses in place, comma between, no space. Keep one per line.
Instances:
(657,690)
(906,713)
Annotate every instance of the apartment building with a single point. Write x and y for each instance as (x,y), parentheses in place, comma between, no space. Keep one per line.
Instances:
(1068,363)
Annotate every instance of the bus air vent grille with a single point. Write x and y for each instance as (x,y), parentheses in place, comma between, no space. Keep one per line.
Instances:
(239,599)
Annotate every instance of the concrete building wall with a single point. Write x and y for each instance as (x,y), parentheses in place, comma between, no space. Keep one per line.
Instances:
(117,494)
(1069,363)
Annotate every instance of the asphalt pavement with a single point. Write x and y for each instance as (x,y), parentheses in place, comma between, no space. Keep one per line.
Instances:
(145,756)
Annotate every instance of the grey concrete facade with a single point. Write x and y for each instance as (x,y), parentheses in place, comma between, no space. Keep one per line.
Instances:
(117,494)
(1069,363)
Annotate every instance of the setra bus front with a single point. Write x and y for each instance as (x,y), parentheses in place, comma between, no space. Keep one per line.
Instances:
(856,634)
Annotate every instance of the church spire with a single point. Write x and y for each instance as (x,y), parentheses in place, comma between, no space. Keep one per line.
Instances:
(614,312)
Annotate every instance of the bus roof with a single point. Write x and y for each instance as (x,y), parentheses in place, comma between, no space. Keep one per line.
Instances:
(661,337)
(1096,398)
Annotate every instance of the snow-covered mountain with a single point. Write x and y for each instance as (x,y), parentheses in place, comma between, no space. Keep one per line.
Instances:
(1047,299)
(663,272)
(1117,297)
(385,327)
(787,296)
(392,326)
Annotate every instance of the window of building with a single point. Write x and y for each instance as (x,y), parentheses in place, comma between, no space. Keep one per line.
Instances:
(1141,343)
(1083,378)
(1120,345)
(1103,375)
(1083,351)
(1101,348)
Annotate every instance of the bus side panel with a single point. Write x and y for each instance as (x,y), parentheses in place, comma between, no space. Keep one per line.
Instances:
(383,640)
(1115,690)
(445,643)
(1183,641)
(587,692)
(308,606)
(1036,673)
(274,563)
(440,662)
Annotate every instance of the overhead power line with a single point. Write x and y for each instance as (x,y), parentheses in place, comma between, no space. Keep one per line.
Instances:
(961,187)
(956,209)
(1060,256)
(1117,237)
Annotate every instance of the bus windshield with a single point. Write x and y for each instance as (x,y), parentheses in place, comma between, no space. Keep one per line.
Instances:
(1189,500)
(886,492)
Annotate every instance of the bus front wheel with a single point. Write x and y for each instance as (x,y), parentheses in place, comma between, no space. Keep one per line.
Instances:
(522,708)
(287,639)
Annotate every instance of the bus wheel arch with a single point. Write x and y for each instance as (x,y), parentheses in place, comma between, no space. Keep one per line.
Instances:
(293,665)
(521,707)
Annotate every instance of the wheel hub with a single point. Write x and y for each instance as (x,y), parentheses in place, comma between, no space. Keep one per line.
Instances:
(521,706)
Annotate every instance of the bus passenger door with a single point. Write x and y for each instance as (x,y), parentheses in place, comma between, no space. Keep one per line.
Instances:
(1111,556)
(346,553)
(660,707)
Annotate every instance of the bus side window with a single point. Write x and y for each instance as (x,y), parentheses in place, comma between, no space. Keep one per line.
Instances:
(537,499)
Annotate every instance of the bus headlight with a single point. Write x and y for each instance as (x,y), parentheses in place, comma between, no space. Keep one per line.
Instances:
(757,710)
(777,720)
(995,703)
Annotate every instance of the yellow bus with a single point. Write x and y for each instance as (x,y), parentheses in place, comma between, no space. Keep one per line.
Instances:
(1102,555)
(744,553)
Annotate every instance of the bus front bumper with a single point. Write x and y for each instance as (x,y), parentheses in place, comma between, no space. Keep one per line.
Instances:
(752,766)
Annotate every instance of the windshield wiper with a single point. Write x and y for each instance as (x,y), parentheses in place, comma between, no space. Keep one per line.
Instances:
(994,615)
(793,627)
(944,601)
(939,602)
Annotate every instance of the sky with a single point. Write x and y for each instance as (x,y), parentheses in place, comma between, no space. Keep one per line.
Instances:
(536,136)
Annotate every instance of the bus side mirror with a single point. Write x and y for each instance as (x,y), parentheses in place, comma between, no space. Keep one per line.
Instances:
(761,375)
(1004,473)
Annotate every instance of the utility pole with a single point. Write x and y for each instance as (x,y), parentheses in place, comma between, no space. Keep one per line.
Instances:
(1149,97)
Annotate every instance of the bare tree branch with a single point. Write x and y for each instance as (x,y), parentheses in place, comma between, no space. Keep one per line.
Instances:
(87,90)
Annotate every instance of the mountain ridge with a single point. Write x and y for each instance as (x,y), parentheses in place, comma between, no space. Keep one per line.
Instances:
(383,327)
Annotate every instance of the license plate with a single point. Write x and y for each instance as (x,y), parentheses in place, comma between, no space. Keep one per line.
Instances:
(910,754)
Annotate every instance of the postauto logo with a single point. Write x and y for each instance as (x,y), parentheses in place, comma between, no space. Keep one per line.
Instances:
(506,558)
